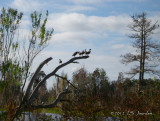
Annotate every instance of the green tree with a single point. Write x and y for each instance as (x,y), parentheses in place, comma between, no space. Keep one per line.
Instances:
(14,64)
(99,82)
(80,80)
(9,23)
(10,72)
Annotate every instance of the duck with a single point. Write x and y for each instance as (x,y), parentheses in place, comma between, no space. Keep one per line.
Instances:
(60,61)
(75,53)
(83,52)
(88,52)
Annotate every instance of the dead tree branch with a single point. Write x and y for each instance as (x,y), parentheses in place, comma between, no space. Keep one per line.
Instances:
(52,74)
(34,77)
(54,103)
(66,80)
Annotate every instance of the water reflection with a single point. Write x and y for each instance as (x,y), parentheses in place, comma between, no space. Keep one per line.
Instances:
(40,117)
(57,117)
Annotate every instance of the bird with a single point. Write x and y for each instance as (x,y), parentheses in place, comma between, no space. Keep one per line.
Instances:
(75,53)
(83,52)
(88,52)
(60,61)
(79,53)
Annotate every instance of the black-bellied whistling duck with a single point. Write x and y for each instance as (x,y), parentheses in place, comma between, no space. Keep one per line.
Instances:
(88,52)
(75,53)
(79,53)
(82,52)
(60,61)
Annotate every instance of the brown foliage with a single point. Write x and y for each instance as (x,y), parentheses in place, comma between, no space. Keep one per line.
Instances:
(11,109)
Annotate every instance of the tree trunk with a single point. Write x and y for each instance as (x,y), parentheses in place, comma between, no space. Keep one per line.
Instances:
(144,48)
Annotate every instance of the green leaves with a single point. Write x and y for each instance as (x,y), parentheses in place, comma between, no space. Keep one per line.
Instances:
(36,19)
(3,84)
(39,28)
(9,22)
(14,46)
(10,19)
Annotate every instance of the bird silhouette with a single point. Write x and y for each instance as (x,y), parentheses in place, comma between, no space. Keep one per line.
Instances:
(75,53)
(83,52)
(79,53)
(87,52)
(60,61)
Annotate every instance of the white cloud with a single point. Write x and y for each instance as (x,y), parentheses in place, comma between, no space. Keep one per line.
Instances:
(75,37)
(75,27)
(81,22)
(79,27)
(68,22)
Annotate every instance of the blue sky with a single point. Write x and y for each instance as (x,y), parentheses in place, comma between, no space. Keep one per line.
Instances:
(83,24)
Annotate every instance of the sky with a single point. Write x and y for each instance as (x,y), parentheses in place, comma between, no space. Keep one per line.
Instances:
(100,25)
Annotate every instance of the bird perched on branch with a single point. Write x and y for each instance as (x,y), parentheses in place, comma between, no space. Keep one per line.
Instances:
(87,52)
(75,53)
(82,52)
(60,61)
(79,53)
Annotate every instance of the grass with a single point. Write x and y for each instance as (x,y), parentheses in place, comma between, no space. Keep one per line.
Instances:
(2,109)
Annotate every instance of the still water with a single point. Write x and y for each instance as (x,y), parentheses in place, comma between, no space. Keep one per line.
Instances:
(57,117)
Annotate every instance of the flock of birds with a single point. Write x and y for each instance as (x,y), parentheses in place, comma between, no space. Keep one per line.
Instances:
(84,52)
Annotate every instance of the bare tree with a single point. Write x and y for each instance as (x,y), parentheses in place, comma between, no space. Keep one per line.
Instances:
(147,50)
